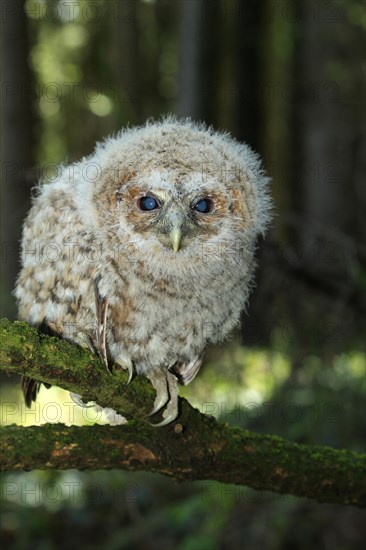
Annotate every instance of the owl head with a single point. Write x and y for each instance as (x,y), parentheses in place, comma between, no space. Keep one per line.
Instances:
(173,186)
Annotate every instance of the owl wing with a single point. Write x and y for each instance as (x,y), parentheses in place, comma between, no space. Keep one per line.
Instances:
(31,387)
(101,308)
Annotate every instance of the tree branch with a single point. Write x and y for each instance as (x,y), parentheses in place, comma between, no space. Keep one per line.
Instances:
(195,447)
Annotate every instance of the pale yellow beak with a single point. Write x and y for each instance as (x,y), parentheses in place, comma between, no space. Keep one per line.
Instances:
(175,237)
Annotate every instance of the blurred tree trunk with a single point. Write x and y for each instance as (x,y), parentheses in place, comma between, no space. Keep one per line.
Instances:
(248,33)
(220,65)
(327,200)
(125,60)
(189,102)
(329,127)
(311,276)
(16,143)
(198,64)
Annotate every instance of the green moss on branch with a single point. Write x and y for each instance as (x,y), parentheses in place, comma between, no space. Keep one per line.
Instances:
(195,447)
(24,350)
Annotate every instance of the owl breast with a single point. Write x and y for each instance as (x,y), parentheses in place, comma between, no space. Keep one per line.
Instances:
(157,320)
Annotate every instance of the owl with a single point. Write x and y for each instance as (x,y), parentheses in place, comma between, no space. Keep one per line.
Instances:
(145,250)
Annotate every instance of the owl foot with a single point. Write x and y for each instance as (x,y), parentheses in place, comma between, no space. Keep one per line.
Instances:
(166,388)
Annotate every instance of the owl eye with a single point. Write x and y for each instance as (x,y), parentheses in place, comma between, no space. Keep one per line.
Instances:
(148,203)
(204,206)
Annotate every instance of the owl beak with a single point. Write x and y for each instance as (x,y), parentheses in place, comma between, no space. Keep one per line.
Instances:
(176,221)
(175,237)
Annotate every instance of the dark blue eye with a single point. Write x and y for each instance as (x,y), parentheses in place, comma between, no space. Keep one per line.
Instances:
(204,206)
(148,203)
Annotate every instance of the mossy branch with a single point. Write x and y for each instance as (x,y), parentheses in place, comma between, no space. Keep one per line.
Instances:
(195,447)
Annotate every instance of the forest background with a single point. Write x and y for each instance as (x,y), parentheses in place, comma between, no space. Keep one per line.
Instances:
(288,78)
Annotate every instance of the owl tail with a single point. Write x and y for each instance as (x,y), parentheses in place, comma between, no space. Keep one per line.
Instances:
(30,386)
(30,389)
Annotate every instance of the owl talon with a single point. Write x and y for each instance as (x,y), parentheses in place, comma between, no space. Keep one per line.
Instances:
(159,381)
(126,364)
(169,414)
(168,420)
(130,372)
(158,405)
(171,410)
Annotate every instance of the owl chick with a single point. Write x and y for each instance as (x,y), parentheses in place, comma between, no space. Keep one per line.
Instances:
(144,251)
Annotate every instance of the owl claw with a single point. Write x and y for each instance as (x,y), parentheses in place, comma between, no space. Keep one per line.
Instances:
(130,373)
(157,406)
(159,382)
(164,422)
(170,413)
(127,365)
(166,388)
